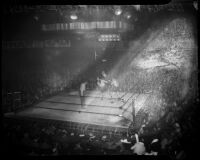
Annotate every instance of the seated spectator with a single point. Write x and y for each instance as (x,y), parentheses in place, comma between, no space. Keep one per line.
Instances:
(138,148)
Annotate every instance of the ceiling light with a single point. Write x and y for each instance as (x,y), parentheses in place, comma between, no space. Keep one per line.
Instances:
(74,17)
(127,15)
(118,11)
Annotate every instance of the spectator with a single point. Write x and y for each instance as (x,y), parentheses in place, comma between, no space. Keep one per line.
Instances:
(138,148)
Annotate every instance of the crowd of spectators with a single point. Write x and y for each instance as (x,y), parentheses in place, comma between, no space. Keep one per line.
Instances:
(176,130)
(52,139)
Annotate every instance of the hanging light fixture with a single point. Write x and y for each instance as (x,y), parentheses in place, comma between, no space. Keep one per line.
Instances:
(118,10)
(127,15)
(73,16)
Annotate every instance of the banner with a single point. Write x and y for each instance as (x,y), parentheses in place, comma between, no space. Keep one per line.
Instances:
(86,26)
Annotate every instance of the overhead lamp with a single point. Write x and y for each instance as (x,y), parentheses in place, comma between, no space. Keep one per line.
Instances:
(74,16)
(118,11)
(127,15)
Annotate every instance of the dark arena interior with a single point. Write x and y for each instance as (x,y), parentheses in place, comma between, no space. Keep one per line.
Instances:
(100,80)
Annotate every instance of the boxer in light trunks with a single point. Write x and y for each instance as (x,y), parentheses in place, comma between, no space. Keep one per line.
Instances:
(114,85)
(101,85)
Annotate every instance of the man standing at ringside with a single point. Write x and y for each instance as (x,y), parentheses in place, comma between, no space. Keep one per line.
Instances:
(82,93)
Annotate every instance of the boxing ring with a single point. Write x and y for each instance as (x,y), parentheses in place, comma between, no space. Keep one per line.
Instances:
(113,113)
